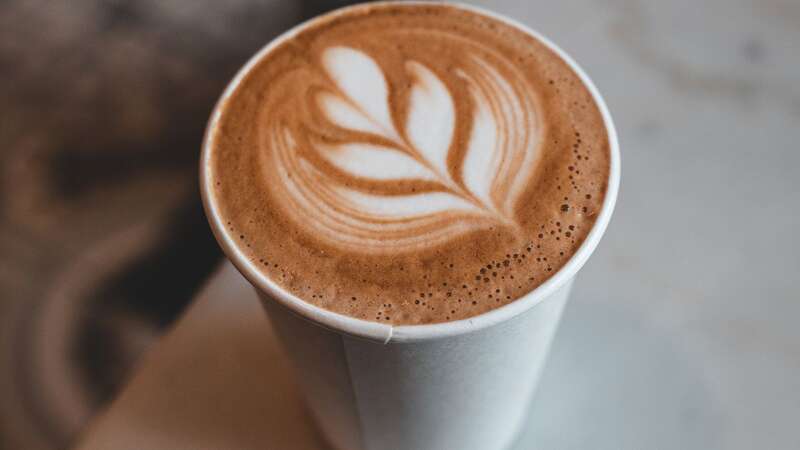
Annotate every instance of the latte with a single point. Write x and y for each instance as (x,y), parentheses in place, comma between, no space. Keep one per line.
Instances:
(409,163)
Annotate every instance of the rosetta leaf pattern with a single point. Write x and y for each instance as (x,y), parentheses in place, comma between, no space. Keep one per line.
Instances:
(360,79)
(431,117)
(457,192)
(428,131)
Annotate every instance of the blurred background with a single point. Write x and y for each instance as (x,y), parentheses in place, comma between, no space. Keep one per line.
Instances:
(682,328)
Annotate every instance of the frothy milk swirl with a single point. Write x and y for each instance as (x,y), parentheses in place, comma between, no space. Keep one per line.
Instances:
(391,161)
(409,163)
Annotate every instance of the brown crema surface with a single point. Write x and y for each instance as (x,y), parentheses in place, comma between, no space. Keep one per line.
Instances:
(273,162)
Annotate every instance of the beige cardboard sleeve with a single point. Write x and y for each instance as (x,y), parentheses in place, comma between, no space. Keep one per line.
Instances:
(463,392)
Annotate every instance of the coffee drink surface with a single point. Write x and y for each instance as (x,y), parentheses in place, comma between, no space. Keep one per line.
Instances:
(409,164)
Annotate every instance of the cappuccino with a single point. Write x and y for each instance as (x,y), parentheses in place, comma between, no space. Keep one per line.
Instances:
(409,163)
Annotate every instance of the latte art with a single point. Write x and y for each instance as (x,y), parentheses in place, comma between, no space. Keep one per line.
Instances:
(409,163)
(371,175)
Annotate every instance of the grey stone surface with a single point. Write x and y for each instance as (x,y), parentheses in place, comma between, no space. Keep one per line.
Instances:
(682,328)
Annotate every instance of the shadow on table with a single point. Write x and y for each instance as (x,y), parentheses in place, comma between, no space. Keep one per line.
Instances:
(217,380)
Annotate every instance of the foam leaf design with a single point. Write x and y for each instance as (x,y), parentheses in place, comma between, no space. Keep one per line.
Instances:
(478,161)
(365,108)
(346,115)
(404,206)
(374,161)
(361,80)
(409,148)
(431,117)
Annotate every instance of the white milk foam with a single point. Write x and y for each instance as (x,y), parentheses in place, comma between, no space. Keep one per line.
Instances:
(409,163)
(500,154)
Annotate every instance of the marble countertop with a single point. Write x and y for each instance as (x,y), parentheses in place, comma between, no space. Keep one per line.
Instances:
(682,328)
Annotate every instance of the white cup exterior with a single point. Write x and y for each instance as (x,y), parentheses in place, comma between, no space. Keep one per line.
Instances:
(466,392)
(462,384)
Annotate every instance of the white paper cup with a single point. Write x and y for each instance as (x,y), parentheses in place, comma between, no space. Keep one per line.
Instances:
(461,385)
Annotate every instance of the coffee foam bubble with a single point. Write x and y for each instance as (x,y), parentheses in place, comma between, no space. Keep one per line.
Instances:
(410,164)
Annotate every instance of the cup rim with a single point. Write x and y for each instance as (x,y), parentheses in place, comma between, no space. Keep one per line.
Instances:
(386,333)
